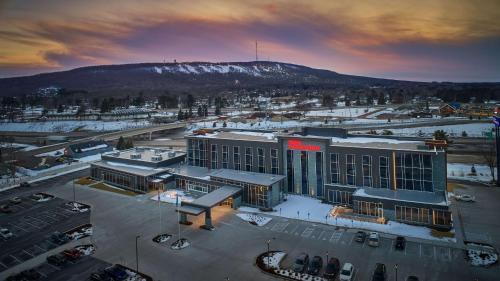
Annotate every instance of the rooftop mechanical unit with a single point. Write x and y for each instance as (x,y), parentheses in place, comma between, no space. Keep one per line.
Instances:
(135,156)
(156,158)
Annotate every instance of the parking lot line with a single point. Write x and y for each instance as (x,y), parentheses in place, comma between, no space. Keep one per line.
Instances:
(420,245)
(321,235)
(434,252)
(28,253)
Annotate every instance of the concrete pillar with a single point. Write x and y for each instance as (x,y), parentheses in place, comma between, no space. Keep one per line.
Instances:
(236,202)
(208,218)
(183,218)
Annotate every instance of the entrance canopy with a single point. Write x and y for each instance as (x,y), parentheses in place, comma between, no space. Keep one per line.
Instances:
(215,197)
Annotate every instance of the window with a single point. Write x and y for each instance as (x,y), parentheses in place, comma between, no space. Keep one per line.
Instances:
(274,162)
(289,170)
(213,159)
(368,208)
(197,153)
(340,197)
(236,158)
(248,159)
(334,168)
(414,171)
(304,168)
(319,174)
(441,217)
(412,215)
(367,170)
(350,169)
(261,163)
(384,172)
(225,156)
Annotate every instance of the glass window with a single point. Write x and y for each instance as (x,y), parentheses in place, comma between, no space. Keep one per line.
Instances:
(334,168)
(367,170)
(384,172)
(289,170)
(261,163)
(274,162)
(304,169)
(197,153)
(236,158)
(213,159)
(248,159)
(319,174)
(350,169)
(225,156)
(414,172)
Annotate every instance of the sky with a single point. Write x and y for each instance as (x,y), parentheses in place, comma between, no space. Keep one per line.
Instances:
(421,40)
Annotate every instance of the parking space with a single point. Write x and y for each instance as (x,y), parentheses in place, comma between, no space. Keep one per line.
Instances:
(32,223)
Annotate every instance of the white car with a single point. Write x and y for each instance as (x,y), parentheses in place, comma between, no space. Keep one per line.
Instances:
(373,239)
(347,272)
(5,233)
(465,198)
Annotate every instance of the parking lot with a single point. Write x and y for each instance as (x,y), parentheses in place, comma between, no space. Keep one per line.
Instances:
(31,224)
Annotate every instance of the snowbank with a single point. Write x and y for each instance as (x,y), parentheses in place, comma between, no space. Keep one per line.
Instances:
(170,196)
(257,219)
(463,172)
(69,126)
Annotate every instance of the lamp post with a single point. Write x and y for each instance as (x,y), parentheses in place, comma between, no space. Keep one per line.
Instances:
(74,192)
(268,259)
(327,257)
(136,254)
(396,269)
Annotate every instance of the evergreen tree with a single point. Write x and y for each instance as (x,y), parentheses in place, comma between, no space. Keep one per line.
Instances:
(214,124)
(224,124)
(60,108)
(217,110)
(205,110)
(200,111)
(381,99)
(129,144)
(180,115)
(440,135)
(121,143)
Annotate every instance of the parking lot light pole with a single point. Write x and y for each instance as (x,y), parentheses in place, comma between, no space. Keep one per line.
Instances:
(74,192)
(136,254)
(268,258)
(326,256)
(396,269)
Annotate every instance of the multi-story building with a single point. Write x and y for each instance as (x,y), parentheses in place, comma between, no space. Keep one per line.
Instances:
(377,177)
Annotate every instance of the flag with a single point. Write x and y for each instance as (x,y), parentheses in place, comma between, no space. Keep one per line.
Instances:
(496,120)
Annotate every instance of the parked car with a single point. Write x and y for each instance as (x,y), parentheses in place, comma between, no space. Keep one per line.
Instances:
(24,184)
(5,209)
(72,254)
(5,233)
(101,275)
(315,266)
(15,200)
(30,274)
(380,273)
(347,272)
(412,278)
(59,238)
(332,268)
(373,239)
(400,243)
(465,198)
(57,259)
(360,236)
(116,272)
(301,263)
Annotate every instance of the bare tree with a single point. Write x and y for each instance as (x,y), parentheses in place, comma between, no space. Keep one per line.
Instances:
(489,156)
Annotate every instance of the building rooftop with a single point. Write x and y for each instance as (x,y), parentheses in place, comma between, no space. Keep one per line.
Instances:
(215,197)
(249,177)
(240,135)
(403,195)
(142,154)
(131,169)
(384,143)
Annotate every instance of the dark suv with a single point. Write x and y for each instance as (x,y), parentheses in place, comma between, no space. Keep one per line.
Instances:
(315,266)
(332,268)
(380,273)
(301,263)
(400,243)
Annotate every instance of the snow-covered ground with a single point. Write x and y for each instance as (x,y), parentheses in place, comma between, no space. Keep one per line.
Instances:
(340,112)
(274,259)
(257,219)
(369,140)
(22,146)
(69,126)
(481,255)
(472,130)
(170,196)
(58,152)
(463,171)
(310,209)
(255,124)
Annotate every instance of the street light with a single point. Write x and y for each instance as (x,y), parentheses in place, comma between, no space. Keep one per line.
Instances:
(136,254)
(74,193)
(268,258)
(396,269)
(327,257)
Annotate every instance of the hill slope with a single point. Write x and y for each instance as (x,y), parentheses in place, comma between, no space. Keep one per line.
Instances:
(195,77)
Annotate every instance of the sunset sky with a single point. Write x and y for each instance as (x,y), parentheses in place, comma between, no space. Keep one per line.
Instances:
(456,40)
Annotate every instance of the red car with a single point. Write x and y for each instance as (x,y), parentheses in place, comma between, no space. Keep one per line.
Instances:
(72,254)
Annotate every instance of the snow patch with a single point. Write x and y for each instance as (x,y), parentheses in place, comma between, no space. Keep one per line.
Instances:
(254,218)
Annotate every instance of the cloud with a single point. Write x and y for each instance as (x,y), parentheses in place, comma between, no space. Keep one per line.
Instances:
(425,40)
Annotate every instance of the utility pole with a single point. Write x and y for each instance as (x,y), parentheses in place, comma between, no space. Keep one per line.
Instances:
(74,192)
(136,254)
(256,56)
(496,120)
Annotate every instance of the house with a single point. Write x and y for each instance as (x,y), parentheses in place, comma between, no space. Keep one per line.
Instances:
(89,148)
